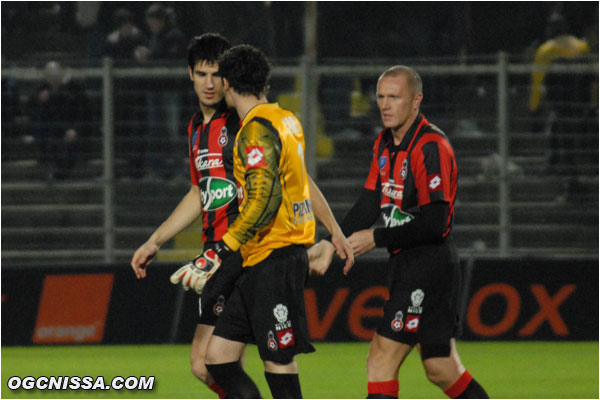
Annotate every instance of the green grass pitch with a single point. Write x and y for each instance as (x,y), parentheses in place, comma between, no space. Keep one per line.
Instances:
(336,370)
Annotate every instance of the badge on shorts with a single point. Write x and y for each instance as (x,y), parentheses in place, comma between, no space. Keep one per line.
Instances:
(286,338)
(271,342)
(219,306)
(397,323)
(412,323)
(416,297)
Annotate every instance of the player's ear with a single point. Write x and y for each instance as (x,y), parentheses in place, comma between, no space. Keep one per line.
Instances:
(417,100)
(225,84)
(191,72)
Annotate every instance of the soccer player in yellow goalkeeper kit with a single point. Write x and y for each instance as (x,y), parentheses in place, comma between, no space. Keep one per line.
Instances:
(275,225)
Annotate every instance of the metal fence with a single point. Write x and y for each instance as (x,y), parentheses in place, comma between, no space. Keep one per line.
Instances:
(134,142)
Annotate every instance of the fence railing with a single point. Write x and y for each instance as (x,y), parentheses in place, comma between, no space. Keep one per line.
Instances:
(499,105)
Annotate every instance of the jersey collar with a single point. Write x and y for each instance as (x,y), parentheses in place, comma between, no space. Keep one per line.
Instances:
(410,134)
(219,111)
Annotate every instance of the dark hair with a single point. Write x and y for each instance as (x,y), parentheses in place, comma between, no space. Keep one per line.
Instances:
(207,47)
(246,68)
(157,11)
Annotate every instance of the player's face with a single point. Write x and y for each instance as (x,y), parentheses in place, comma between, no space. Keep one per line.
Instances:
(207,83)
(397,104)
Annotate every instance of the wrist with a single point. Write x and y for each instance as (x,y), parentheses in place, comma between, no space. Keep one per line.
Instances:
(222,250)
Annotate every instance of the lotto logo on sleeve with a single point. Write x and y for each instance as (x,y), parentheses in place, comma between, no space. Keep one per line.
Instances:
(286,338)
(412,323)
(256,157)
(434,182)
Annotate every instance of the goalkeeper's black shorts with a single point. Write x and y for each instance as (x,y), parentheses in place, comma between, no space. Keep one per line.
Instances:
(267,307)
(424,294)
(217,290)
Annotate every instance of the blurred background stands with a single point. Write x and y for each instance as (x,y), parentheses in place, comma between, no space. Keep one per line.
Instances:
(511,197)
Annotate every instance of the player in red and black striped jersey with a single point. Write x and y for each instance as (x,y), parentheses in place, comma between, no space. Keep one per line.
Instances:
(412,183)
(213,191)
(211,169)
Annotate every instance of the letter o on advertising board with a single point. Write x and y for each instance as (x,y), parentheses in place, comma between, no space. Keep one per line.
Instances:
(513,306)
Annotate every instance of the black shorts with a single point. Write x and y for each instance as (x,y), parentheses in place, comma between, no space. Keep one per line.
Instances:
(217,290)
(424,294)
(267,307)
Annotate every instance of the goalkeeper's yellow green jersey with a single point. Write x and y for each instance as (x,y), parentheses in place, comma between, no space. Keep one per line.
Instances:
(269,166)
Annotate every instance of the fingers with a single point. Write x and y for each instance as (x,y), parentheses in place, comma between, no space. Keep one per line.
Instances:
(138,269)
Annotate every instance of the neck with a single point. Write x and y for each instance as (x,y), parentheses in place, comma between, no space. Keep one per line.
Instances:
(246,103)
(208,112)
(400,131)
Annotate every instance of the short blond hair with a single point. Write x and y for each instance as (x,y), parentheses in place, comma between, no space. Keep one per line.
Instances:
(414,80)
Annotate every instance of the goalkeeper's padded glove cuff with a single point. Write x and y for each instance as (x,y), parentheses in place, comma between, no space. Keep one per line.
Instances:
(222,250)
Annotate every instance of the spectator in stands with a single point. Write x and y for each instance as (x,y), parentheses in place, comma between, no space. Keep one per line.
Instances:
(557,97)
(126,38)
(121,45)
(166,43)
(59,115)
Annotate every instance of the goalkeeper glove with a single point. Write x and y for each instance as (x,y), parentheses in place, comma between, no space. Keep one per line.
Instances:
(196,273)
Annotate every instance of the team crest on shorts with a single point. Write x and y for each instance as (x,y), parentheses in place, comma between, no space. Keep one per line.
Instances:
(223,139)
(271,342)
(417,299)
(283,327)
(219,306)
(397,323)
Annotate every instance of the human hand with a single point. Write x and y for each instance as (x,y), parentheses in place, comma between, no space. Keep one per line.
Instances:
(142,258)
(195,274)
(319,257)
(343,249)
(362,241)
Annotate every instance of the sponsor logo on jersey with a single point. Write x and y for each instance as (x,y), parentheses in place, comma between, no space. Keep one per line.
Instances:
(216,192)
(434,182)
(194,139)
(392,216)
(219,307)
(416,297)
(271,342)
(392,190)
(404,170)
(209,161)
(303,211)
(382,161)
(397,323)
(286,338)
(256,157)
(412,323)
(223,138)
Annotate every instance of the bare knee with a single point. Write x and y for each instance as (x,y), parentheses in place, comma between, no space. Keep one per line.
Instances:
(384,359)
(442,372)
(199,369)
(435,373)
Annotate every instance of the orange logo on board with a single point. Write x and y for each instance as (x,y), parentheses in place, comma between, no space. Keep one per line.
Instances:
(73,308)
